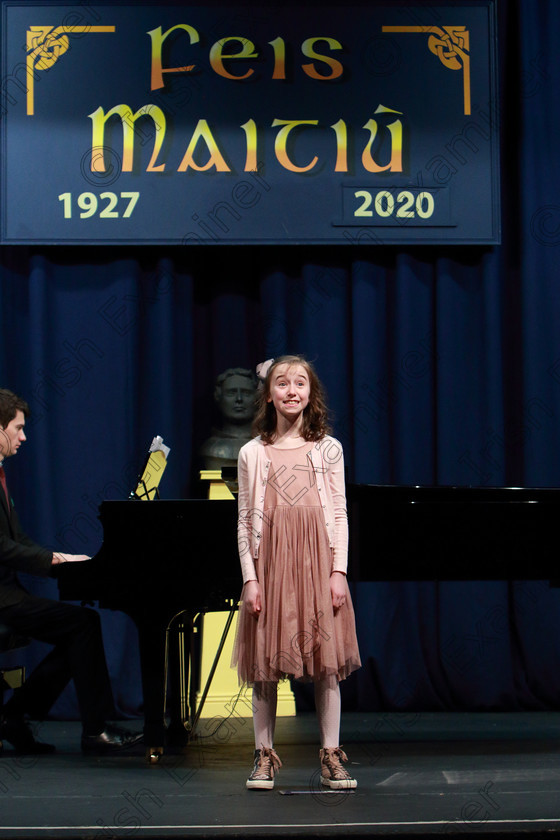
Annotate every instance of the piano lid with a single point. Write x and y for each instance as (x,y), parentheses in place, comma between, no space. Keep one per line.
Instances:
(409,532)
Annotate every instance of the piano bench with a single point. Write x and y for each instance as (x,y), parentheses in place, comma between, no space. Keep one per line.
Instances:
(11,676)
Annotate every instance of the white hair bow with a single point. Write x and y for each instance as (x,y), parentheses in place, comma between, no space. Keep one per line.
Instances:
(263,369)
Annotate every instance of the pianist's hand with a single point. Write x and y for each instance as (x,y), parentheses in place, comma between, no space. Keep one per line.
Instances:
(251,597)
(58,557)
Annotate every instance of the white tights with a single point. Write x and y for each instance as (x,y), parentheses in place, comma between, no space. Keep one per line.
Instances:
(327,703)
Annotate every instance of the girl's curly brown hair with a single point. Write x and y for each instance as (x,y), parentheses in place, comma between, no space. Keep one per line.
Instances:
(315,415)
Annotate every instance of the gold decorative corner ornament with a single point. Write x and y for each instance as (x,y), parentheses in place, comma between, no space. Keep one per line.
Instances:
(451,44)
(45,45)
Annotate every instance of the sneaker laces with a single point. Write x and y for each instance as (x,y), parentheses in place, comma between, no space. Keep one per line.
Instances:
(267,763)
(332,758)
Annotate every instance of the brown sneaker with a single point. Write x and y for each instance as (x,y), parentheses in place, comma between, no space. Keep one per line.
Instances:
(267,764)
(333,774)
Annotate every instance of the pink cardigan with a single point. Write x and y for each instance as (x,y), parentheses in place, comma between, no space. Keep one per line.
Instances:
(253,465)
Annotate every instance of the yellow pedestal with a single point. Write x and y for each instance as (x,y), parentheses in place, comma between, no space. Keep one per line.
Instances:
(224,692)
(217,488)
(225,687)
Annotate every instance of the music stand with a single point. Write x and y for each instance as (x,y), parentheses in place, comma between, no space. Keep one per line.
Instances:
(152,472)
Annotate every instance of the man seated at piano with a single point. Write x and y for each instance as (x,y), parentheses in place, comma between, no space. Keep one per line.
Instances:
(74,632)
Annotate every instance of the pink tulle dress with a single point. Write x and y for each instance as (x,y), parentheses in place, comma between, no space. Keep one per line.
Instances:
(298,633)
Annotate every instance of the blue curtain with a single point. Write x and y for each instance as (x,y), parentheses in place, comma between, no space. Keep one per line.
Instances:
(442,366)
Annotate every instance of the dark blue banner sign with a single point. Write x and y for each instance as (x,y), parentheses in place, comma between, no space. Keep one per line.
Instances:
(141,124)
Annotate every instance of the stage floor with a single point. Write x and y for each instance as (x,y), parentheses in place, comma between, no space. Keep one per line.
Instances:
(419,775)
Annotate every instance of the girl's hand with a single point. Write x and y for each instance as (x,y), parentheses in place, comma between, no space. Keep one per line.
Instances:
(338,589)
(252,597)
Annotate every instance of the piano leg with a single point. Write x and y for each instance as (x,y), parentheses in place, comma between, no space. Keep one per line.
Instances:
(161,679)
(159,635)
(180,636)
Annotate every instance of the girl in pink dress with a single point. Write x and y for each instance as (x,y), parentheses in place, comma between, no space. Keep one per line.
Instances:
(296,617)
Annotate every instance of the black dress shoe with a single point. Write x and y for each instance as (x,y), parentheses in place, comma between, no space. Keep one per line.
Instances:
(18,733)
(111,739)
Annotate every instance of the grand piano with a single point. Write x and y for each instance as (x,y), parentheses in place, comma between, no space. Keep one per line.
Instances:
(161,560)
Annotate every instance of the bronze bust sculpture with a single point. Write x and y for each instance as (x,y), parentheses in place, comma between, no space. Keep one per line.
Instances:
(234,393)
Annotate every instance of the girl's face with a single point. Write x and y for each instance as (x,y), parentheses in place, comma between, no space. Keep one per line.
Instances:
(289,390)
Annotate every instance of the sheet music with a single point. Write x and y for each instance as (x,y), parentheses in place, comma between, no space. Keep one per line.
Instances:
(154,468)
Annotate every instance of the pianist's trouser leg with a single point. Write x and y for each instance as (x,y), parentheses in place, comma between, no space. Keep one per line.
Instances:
(151,637)
(78,654)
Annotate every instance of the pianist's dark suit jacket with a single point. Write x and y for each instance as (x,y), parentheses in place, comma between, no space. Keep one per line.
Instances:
(18,553)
